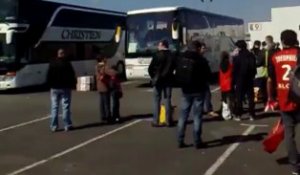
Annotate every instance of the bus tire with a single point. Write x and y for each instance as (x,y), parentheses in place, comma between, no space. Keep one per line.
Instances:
(121,70)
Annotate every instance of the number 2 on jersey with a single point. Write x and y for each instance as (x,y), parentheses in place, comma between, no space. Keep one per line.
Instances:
(288,69)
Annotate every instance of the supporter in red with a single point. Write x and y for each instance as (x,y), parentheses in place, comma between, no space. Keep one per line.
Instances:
(281,64)
(225,80)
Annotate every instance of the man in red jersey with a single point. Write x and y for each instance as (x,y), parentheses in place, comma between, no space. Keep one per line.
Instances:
(279,70)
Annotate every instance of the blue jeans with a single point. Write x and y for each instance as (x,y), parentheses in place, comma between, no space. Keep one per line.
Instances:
(290,121)
(167,92)
(104,98)
(62,96)
(190,102)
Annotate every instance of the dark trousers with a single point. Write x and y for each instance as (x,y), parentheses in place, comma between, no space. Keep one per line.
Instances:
(241,91)
(290,120)
(115,104)
(104,106)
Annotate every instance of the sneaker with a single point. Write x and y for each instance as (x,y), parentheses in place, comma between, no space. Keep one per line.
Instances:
(117,120)
(53,129)
(251,118)
(237,118)
(213,114)
(69,128)
(182,145)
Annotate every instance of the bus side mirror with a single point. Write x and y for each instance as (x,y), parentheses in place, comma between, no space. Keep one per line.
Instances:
(9,36)
(175,31)
(118,34)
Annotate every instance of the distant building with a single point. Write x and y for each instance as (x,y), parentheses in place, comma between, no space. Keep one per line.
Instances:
(281,18)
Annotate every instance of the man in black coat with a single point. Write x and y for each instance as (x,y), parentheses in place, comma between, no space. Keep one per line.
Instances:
(193,92)
(161,72)
(244,71)
(61,79)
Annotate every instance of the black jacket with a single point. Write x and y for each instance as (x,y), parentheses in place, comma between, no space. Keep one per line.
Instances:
(201,74)
(244,68)
(61,74)
(162,67)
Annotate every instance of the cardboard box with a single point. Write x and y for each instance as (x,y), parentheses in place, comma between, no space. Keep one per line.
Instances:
(83,87)
(85,83)
(85,80)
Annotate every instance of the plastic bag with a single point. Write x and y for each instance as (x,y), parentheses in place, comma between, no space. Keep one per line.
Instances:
(226,113)
(274,138)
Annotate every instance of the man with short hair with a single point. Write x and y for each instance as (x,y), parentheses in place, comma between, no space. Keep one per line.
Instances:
(268,54)
(161,71)
(244,71)
(193,93)
(280,66)
(208,107)
(61,79)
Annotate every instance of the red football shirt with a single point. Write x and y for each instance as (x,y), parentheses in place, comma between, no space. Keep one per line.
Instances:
(281,64)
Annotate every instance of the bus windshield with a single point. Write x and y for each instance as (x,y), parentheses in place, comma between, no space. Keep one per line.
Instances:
(146,30)
(8,9)
(7,51)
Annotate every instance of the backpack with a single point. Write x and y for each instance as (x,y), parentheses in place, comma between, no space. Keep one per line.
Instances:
(184,71)
(294,91)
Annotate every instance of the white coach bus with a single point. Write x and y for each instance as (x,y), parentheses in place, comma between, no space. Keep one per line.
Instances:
(179,26)
(31,31)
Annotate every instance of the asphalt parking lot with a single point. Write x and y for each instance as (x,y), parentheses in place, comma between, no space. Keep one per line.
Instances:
(132,147)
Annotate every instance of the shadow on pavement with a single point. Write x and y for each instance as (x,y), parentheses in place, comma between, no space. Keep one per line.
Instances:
(122,120)
(235,139)
(89,125)
(267,115)
(283,161)
(26,90)
(136,117)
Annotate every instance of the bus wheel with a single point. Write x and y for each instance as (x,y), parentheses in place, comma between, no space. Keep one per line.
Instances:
(121,70)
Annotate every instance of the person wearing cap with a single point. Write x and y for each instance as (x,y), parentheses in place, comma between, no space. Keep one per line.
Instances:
(244,71)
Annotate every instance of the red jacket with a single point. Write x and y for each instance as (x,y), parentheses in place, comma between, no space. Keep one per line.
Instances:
(282,63)
(225,79)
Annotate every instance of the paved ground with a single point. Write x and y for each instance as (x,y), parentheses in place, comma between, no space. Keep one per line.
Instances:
(133,147)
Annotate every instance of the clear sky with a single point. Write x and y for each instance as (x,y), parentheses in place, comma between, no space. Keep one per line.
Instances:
(249,10)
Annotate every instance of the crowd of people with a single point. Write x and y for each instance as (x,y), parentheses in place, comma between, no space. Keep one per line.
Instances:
(240,72)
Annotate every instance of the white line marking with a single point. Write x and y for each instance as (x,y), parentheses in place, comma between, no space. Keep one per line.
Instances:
(226,154)
(256,125)
(24,124)
(215,90)
(26,168)
(149,90)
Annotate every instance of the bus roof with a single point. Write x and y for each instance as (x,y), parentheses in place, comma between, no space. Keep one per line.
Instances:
(169,9)
(86,8)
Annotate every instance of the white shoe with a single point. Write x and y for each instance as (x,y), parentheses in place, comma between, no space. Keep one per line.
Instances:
(236,118)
